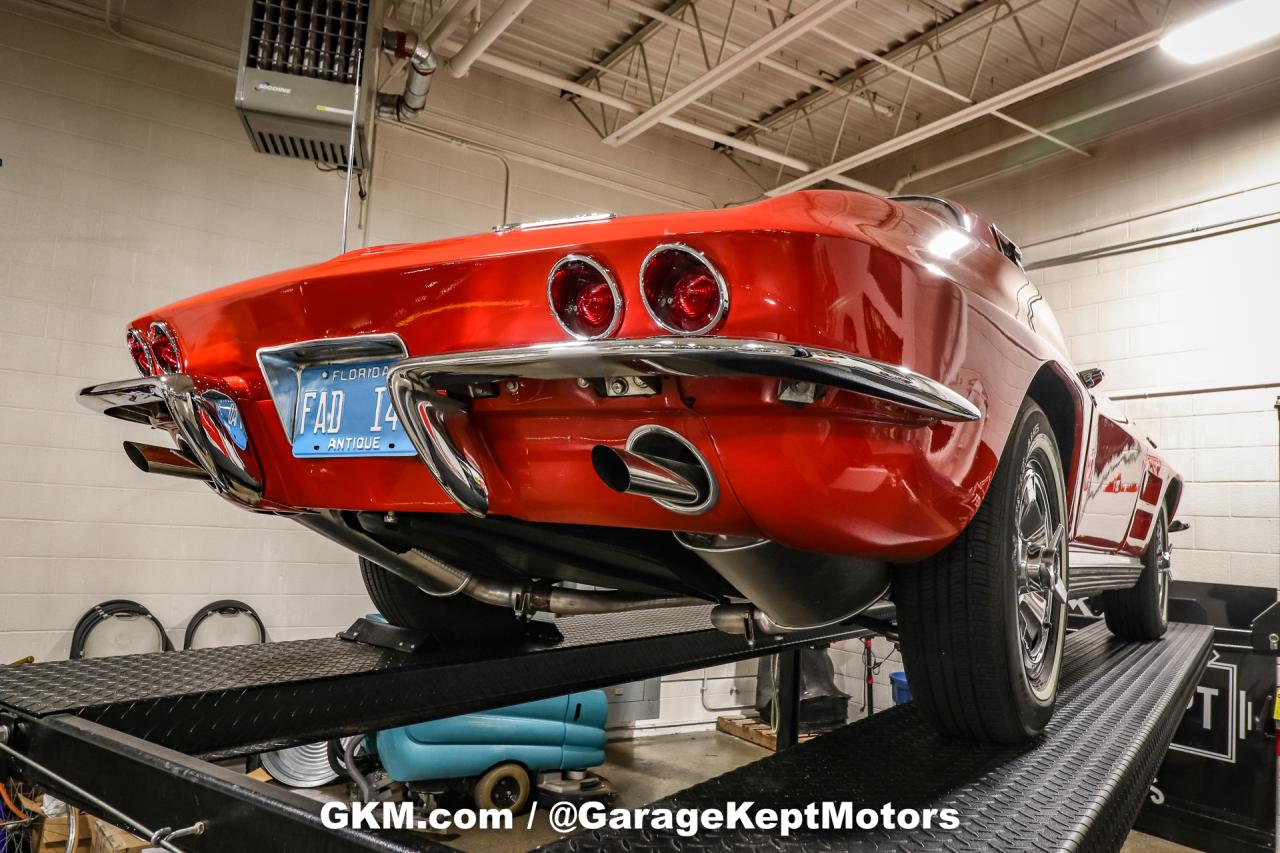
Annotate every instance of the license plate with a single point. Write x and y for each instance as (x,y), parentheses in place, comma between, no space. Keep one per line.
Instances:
(345,410)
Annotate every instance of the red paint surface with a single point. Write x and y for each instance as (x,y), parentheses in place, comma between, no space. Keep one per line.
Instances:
(846,271)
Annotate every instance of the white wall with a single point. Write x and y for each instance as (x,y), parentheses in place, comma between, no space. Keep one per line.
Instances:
(127,183)
(1182,318)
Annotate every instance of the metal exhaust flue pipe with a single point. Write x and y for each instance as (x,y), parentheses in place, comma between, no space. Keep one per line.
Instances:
(418,73)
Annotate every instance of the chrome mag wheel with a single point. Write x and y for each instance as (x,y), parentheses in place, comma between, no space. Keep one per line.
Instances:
(1164,565)
(1039,554)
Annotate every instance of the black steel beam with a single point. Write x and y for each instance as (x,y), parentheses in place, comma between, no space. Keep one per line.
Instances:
(163,788)
(248,698)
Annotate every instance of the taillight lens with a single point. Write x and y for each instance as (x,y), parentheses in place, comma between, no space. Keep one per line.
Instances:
(682,290)
(139,352)
(164,348)
(584,298)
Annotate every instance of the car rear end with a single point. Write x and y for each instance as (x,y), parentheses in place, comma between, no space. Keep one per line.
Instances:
(788,347)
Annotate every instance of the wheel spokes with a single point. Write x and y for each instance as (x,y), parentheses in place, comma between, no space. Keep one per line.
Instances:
(1032,524)
(1034,609)
(1050,573)
(1041,594)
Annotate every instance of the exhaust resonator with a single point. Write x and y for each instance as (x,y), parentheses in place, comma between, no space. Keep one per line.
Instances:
(793,590)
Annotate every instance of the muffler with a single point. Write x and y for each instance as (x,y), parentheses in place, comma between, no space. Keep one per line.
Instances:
(794,590)
(661,465)
(163,460)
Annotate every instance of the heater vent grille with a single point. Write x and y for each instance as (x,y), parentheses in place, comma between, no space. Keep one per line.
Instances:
(309,38)
(288,145)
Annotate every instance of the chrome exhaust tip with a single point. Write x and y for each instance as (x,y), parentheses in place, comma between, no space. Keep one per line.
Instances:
(163,460)
(660,479)
(660,465)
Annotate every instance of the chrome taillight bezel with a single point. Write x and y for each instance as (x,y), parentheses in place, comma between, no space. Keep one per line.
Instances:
(132,336)
(618,306)
(721,285)
(166,330)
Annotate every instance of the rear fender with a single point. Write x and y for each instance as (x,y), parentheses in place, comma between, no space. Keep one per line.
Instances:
(1065,402)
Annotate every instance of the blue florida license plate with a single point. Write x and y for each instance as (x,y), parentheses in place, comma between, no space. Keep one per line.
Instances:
(345,410)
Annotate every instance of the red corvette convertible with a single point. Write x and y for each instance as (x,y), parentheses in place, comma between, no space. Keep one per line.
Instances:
(790,410)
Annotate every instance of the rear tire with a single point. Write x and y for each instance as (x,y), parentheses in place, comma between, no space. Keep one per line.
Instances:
(453,621)
(1142,611)
(982,623)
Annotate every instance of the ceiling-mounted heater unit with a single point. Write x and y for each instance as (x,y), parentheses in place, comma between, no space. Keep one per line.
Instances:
(297,67)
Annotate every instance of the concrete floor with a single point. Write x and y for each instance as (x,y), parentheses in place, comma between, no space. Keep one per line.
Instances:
(1139,842)
(647,769)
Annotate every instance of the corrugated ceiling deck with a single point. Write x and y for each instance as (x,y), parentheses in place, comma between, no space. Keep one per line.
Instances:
(565,37)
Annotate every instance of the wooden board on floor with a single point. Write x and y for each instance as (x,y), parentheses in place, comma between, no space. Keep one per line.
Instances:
(752,728)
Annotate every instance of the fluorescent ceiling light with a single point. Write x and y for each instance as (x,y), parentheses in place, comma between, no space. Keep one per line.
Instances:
(1233,27)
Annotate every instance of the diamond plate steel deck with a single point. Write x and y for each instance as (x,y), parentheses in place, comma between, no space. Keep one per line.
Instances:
(247,698)
(1079,787)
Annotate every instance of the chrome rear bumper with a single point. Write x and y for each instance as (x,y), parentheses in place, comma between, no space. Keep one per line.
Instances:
(172,403)
(415,384)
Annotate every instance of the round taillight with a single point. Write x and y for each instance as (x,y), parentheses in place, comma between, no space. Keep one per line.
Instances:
(164,348)
(683,292)
(140,353)
(584,298)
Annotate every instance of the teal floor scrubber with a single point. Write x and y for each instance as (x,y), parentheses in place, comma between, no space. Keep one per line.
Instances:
(503,758)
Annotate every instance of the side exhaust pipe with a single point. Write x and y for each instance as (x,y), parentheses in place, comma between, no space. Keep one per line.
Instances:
(647,476)
(660,465)
(163,460)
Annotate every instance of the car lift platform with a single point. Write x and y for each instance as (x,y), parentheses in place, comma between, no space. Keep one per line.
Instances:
(235,700)
(1078,787)
(124,731)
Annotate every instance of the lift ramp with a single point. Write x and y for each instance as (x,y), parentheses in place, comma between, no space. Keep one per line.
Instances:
(127,730)
(1078,787)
